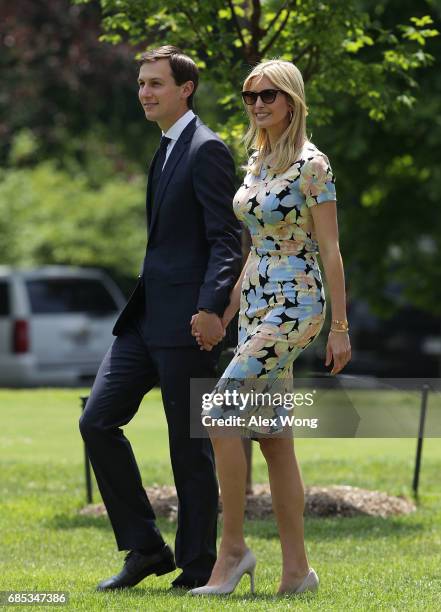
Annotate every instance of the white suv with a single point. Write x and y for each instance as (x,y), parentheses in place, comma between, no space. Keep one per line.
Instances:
(55,324)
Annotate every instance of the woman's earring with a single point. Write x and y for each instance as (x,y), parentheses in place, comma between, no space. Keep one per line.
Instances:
(291,115)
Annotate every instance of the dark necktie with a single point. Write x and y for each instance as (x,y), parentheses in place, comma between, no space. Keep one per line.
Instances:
(157,170)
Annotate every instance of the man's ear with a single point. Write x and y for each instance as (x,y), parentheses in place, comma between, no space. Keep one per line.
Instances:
(188,88)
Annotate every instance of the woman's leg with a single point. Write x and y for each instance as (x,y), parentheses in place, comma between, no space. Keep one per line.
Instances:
(288,503)
(231,470)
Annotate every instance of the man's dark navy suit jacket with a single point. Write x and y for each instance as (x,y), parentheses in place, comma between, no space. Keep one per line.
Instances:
(193,255)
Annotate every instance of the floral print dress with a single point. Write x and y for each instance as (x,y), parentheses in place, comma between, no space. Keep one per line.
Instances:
(282,306)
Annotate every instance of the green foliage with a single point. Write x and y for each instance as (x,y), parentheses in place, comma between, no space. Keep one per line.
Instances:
(47,215)
(340,48)
(388,184)
(373,91)
(24,147)
(59,81)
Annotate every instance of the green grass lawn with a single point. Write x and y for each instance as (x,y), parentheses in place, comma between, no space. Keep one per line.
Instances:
(363,563)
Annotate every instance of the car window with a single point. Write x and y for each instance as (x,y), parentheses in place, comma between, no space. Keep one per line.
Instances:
(4,299)
(63,295)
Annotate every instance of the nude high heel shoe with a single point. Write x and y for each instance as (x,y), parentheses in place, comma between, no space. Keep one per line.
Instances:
(246,565)
(310,583)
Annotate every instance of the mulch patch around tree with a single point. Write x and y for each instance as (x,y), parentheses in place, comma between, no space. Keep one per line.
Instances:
(335,500)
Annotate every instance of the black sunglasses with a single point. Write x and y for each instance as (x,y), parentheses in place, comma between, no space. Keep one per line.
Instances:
(266,95)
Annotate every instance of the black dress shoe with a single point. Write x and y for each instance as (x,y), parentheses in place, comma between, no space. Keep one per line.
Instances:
(187,582)
(138,566)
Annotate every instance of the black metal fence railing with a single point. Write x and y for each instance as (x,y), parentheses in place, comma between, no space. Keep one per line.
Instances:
(425,388)
(87,470)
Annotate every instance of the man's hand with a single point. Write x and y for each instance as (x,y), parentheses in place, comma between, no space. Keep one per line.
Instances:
(207,328)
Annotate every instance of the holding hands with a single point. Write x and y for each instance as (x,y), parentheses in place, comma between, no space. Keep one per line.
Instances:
(207,328)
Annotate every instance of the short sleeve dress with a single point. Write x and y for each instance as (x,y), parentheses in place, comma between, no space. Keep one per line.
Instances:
(282,306)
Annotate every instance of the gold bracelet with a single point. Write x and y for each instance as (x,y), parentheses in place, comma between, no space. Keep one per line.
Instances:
(342,331)
(342,325)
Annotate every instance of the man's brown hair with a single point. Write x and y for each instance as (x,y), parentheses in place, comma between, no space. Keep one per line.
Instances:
(182,66)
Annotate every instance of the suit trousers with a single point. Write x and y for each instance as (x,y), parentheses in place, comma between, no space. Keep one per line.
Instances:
(128,371)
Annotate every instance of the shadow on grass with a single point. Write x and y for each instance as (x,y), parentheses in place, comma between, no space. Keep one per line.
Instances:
(334,529)
(137,592)
(319,529)
(77,521)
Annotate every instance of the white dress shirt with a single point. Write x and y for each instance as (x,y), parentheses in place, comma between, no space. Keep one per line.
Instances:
(175,131)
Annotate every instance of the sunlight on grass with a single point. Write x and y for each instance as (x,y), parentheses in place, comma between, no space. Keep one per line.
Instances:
(363,563)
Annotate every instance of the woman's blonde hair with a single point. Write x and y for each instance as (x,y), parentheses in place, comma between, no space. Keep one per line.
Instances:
(287,77)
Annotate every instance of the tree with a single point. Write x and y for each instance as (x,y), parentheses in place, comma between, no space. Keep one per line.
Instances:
(76,97)
(339,48)
(389,176)
(49,216)
(359,64)
(59,81)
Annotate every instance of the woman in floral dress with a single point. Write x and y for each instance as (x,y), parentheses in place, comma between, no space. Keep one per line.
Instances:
(288,203)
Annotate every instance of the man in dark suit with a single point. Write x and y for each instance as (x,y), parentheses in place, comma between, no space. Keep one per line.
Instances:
(192,261)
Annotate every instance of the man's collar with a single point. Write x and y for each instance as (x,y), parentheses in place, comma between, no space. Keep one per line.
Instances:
(179,126)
